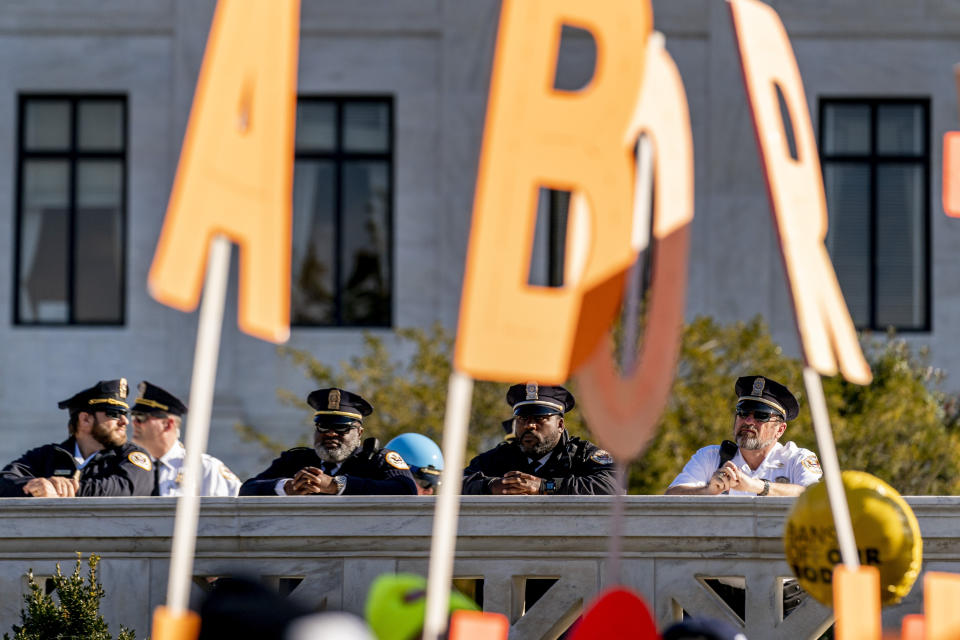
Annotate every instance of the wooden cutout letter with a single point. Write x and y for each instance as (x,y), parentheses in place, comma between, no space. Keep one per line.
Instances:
(796,192)
(236,168)
(856,603)
(951,174)
(478,625)
(623,412)
(535,137)
(941,593)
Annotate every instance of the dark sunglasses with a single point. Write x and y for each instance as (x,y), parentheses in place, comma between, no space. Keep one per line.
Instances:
(114,413)
(339,429)
(760,415)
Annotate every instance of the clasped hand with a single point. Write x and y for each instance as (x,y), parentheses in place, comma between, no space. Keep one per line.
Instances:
(516,483)
(310,480)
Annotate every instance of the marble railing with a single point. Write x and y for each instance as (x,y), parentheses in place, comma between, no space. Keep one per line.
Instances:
(328,550)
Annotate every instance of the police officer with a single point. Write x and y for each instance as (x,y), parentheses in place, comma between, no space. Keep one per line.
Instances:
(338,463)
(542,458)
(759,465)
(157,415)
(424,457)
(96,460)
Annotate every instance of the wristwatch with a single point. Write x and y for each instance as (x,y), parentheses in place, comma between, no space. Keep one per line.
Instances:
(547,486)
(766,488)
(341,483)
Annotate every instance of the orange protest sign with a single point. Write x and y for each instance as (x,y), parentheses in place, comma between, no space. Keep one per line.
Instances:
(941,592)
(168,625)
(796,191)
(536,137)
(950,191)
(236,167)
(478,625)
(623,412)
(856,603)
(951,173)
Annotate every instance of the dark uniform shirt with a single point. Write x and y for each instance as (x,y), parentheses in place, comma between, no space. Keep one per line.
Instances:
(114,471)
(369,472)
(575,466)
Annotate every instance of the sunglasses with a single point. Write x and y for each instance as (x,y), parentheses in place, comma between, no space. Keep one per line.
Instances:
(760,415)
(339,429)
(114,413)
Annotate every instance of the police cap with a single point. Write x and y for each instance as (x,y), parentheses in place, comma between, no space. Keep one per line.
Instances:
(153,399)
(337,406)
(531,399)
(106,395)
(767,392)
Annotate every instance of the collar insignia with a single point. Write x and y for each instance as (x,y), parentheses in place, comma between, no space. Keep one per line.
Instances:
(333,400)
(532,391)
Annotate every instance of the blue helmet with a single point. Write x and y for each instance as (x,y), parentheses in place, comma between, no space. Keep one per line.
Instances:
(417,450)
(422,454)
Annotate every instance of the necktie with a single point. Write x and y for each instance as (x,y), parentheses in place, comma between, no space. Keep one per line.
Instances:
(156,478)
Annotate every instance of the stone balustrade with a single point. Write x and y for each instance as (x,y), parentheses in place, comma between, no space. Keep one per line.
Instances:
(326,551)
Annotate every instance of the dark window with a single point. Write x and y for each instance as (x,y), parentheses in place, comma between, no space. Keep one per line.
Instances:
(71,210)
(876,173)
(342,272)
(548,257)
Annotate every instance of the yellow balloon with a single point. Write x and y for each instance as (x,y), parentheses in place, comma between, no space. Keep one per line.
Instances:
(886,531)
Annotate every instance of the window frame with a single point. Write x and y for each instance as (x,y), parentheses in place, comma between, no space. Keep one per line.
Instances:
(874,160)
(338,157)
(73,156)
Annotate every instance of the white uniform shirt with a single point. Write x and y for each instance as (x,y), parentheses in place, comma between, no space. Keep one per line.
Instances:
(217,479)
(785,463)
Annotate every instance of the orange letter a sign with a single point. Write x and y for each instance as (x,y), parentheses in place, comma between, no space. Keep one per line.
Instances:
(236,167)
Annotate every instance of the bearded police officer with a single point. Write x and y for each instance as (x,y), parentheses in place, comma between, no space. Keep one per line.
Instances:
(157,415)
(338,463)
(758,465)
(541,458)
(95,460)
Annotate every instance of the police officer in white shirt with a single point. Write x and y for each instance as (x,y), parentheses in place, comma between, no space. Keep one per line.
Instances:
(157,415)
(758,465)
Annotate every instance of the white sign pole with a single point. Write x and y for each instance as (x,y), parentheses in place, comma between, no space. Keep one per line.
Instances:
(198,423)
(447,508)
(831,468)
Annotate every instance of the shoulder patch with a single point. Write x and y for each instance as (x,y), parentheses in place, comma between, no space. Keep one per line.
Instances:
(227,474)
(140,459)
(810,463)
(601,457)
(395,460)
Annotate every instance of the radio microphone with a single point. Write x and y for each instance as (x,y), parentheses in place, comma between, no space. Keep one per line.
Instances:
(728,450)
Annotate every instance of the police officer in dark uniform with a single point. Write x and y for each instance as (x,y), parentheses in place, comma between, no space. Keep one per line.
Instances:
(338,464)
(541,458)
(96,460)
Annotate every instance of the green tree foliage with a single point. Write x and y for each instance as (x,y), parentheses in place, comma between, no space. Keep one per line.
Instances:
(408,394)
(75,614)
(901,428)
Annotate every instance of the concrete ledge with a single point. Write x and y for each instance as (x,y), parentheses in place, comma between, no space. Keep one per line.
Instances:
(337,545)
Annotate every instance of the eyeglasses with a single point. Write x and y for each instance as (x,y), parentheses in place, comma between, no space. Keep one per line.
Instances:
(339,429)
(760,415)
(114,414)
